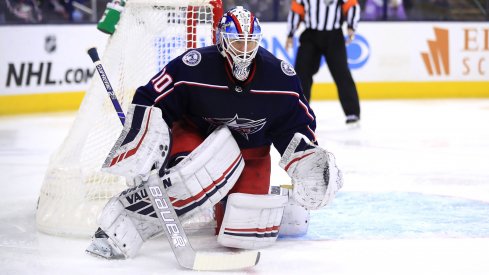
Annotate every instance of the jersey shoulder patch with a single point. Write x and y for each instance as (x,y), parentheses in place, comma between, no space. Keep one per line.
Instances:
(192,58)
(287,68)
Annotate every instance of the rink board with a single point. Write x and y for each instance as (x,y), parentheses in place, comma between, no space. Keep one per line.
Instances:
(443,60)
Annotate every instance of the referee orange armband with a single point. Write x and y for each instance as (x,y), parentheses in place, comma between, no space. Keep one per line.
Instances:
(348,5)
(297,8)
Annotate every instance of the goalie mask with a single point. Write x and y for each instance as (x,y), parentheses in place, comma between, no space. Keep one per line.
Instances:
(238,38)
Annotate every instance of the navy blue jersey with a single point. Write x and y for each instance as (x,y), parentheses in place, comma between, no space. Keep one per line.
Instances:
(268,108)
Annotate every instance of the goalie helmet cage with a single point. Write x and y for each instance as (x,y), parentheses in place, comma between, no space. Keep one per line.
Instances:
(149,34)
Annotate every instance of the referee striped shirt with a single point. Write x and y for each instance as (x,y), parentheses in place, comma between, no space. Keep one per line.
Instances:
(323,15)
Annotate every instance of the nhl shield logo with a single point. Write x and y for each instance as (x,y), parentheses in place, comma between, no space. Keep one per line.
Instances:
(192,58)
(287,68)
(50,43)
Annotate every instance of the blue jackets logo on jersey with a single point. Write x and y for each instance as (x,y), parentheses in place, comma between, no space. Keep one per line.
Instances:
(243,126)
(192,58)
(287,68)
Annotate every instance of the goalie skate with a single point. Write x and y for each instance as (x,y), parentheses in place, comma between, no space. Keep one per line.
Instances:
(102,247)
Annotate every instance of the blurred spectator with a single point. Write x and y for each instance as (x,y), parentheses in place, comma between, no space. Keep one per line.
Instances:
(374,10)
(76,14)
(22,11)
(59,8)
(66,8)
(40,11)
(66,11)
(432,10)
(263,9)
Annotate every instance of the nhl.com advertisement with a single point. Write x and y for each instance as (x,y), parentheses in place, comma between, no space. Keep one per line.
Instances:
(45,59)
(53,59)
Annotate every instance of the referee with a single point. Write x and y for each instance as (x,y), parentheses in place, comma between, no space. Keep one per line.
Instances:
(323,36)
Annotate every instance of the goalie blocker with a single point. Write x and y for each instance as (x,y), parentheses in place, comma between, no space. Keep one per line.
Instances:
(143,144)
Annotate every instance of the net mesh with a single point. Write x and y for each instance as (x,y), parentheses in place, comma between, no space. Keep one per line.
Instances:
(149,34)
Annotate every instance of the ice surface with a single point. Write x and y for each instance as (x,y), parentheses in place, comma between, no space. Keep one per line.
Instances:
(415,200)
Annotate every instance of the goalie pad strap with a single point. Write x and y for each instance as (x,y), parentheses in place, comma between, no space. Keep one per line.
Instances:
(295,221)
(206,175)
(251,221)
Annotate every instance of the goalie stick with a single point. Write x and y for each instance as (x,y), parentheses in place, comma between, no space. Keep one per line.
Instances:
(92,52)
(184,253)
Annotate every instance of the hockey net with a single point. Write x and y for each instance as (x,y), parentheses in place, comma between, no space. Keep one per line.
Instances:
(149,34)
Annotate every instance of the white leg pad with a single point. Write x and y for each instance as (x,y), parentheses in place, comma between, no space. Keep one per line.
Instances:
(127,230)
(251,221)
(120,229)
(206,175)
(296,219)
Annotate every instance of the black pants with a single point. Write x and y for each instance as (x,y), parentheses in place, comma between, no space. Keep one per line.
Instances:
(313,45)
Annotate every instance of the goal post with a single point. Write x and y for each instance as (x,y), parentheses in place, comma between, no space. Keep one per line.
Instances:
(149,34)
